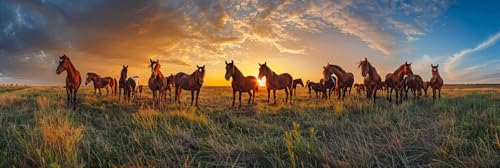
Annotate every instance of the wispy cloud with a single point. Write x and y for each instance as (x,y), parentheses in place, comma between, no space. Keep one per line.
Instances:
(453,61)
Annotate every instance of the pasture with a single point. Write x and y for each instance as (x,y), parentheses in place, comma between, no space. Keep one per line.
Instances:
(37,129)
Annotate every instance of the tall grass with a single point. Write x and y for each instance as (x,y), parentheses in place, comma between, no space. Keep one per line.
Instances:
(38,130)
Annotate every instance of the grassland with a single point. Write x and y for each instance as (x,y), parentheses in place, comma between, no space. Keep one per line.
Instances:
(460,130)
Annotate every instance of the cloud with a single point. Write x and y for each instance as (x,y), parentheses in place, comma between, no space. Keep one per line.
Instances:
(453,61)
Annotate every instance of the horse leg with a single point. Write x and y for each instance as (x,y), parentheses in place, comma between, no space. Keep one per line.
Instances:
(439,93)
(253,96)
(234,96)
(286,92)
(240,101)
(68,96)
(192,97)
(180,94)
(107,91)
(374,96)
(197,96)
(250,98)
(274,95)
(433,94)
(268,95)
(74,98)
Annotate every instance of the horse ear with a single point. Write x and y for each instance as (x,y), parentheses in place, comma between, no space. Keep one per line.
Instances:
(203,66)
(198,66)
(226,62)
(437,65)
(265,63)
(126,66)
(366,59)
(432,65)
(150,60)
(406,62)
(260,64)
(232,62)
(157,60)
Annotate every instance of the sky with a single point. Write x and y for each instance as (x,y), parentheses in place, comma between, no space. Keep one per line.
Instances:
(293,36)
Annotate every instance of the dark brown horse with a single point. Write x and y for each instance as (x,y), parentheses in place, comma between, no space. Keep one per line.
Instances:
(276,82)
(395,80)
(156,82)
(426,87)
(359,88)
(316,87)
(106,82)
(345,80)
(73,79)
(414,84)
(329,87)
(122,81)
(436,82)
(295,83)
(129,91)
(241,83)
(192,82)
(170,85)
(372,81)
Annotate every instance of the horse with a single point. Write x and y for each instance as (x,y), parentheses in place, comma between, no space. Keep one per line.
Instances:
(106,82)
(426,87)
(192,82)
(372,81)
(394,80)
(170,84)
(122,81)
(436,82)
(317,87)
(344,81)
(359,87)
(295,83)
(139,88)
(129,91)
(415,84)
(73,79)
(329,87)
(156,82)
(276,82)
(241,83)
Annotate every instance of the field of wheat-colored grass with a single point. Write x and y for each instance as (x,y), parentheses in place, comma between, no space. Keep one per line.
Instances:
(37,129)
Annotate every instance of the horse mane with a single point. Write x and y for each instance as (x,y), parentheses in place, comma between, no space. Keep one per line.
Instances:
(93,74)
(337,67)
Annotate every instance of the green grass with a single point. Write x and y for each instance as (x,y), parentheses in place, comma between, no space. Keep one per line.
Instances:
(38,130)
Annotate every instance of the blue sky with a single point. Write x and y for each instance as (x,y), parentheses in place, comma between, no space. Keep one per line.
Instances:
(292,36)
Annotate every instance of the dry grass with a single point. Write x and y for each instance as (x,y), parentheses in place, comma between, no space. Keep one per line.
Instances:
(59,134)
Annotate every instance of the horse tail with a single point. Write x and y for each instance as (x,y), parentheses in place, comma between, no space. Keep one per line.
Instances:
(115,85)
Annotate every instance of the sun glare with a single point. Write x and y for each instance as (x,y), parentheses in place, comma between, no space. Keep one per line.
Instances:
(261,82)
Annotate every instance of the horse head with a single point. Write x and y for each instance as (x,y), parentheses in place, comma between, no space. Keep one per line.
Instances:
(200,74)
(90,77)
(406,68)
(365,67)
(63,64)
(263,70)
(434,69)
(123,74)
(155,67)
(229,69)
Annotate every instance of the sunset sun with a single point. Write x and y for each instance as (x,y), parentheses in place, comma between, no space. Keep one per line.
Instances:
(262,82)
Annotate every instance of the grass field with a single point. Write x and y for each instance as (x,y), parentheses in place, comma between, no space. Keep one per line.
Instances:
(460,130)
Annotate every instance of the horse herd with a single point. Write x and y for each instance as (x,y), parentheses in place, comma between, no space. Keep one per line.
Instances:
(334,80)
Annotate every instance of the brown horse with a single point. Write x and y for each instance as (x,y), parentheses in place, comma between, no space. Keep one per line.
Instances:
(394,80)
(241,83)
(359,87)
(372,81)
(317,87)
(436,82)
(106,82)
(157,82)
(192,82)
(295,83)
(276,82)
(73,79)
(413,84)
(122,81)
(170,85)
(129,91)
(426,87)
(139,88)
(344,81)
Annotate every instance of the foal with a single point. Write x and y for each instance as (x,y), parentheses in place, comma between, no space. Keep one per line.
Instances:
(169,87)
(73,79)
(414,84)
(295,83)
(426,87)
(372,80)
(395,80)
(192,82)
(276,82)
(436,82)
(241,83)
(106,82)
(317,87)
(359,87)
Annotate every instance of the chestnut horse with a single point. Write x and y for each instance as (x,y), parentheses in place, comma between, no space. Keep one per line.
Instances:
(372,81)
(157,82)
(344,81)
(276,82)
(106,82)
(394,80)
(122,81)
(436,82)
(241,83)
(413,84)
(73,79)
(170,84)
(295,83)
(192,82)
(426,87)
(317,87)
